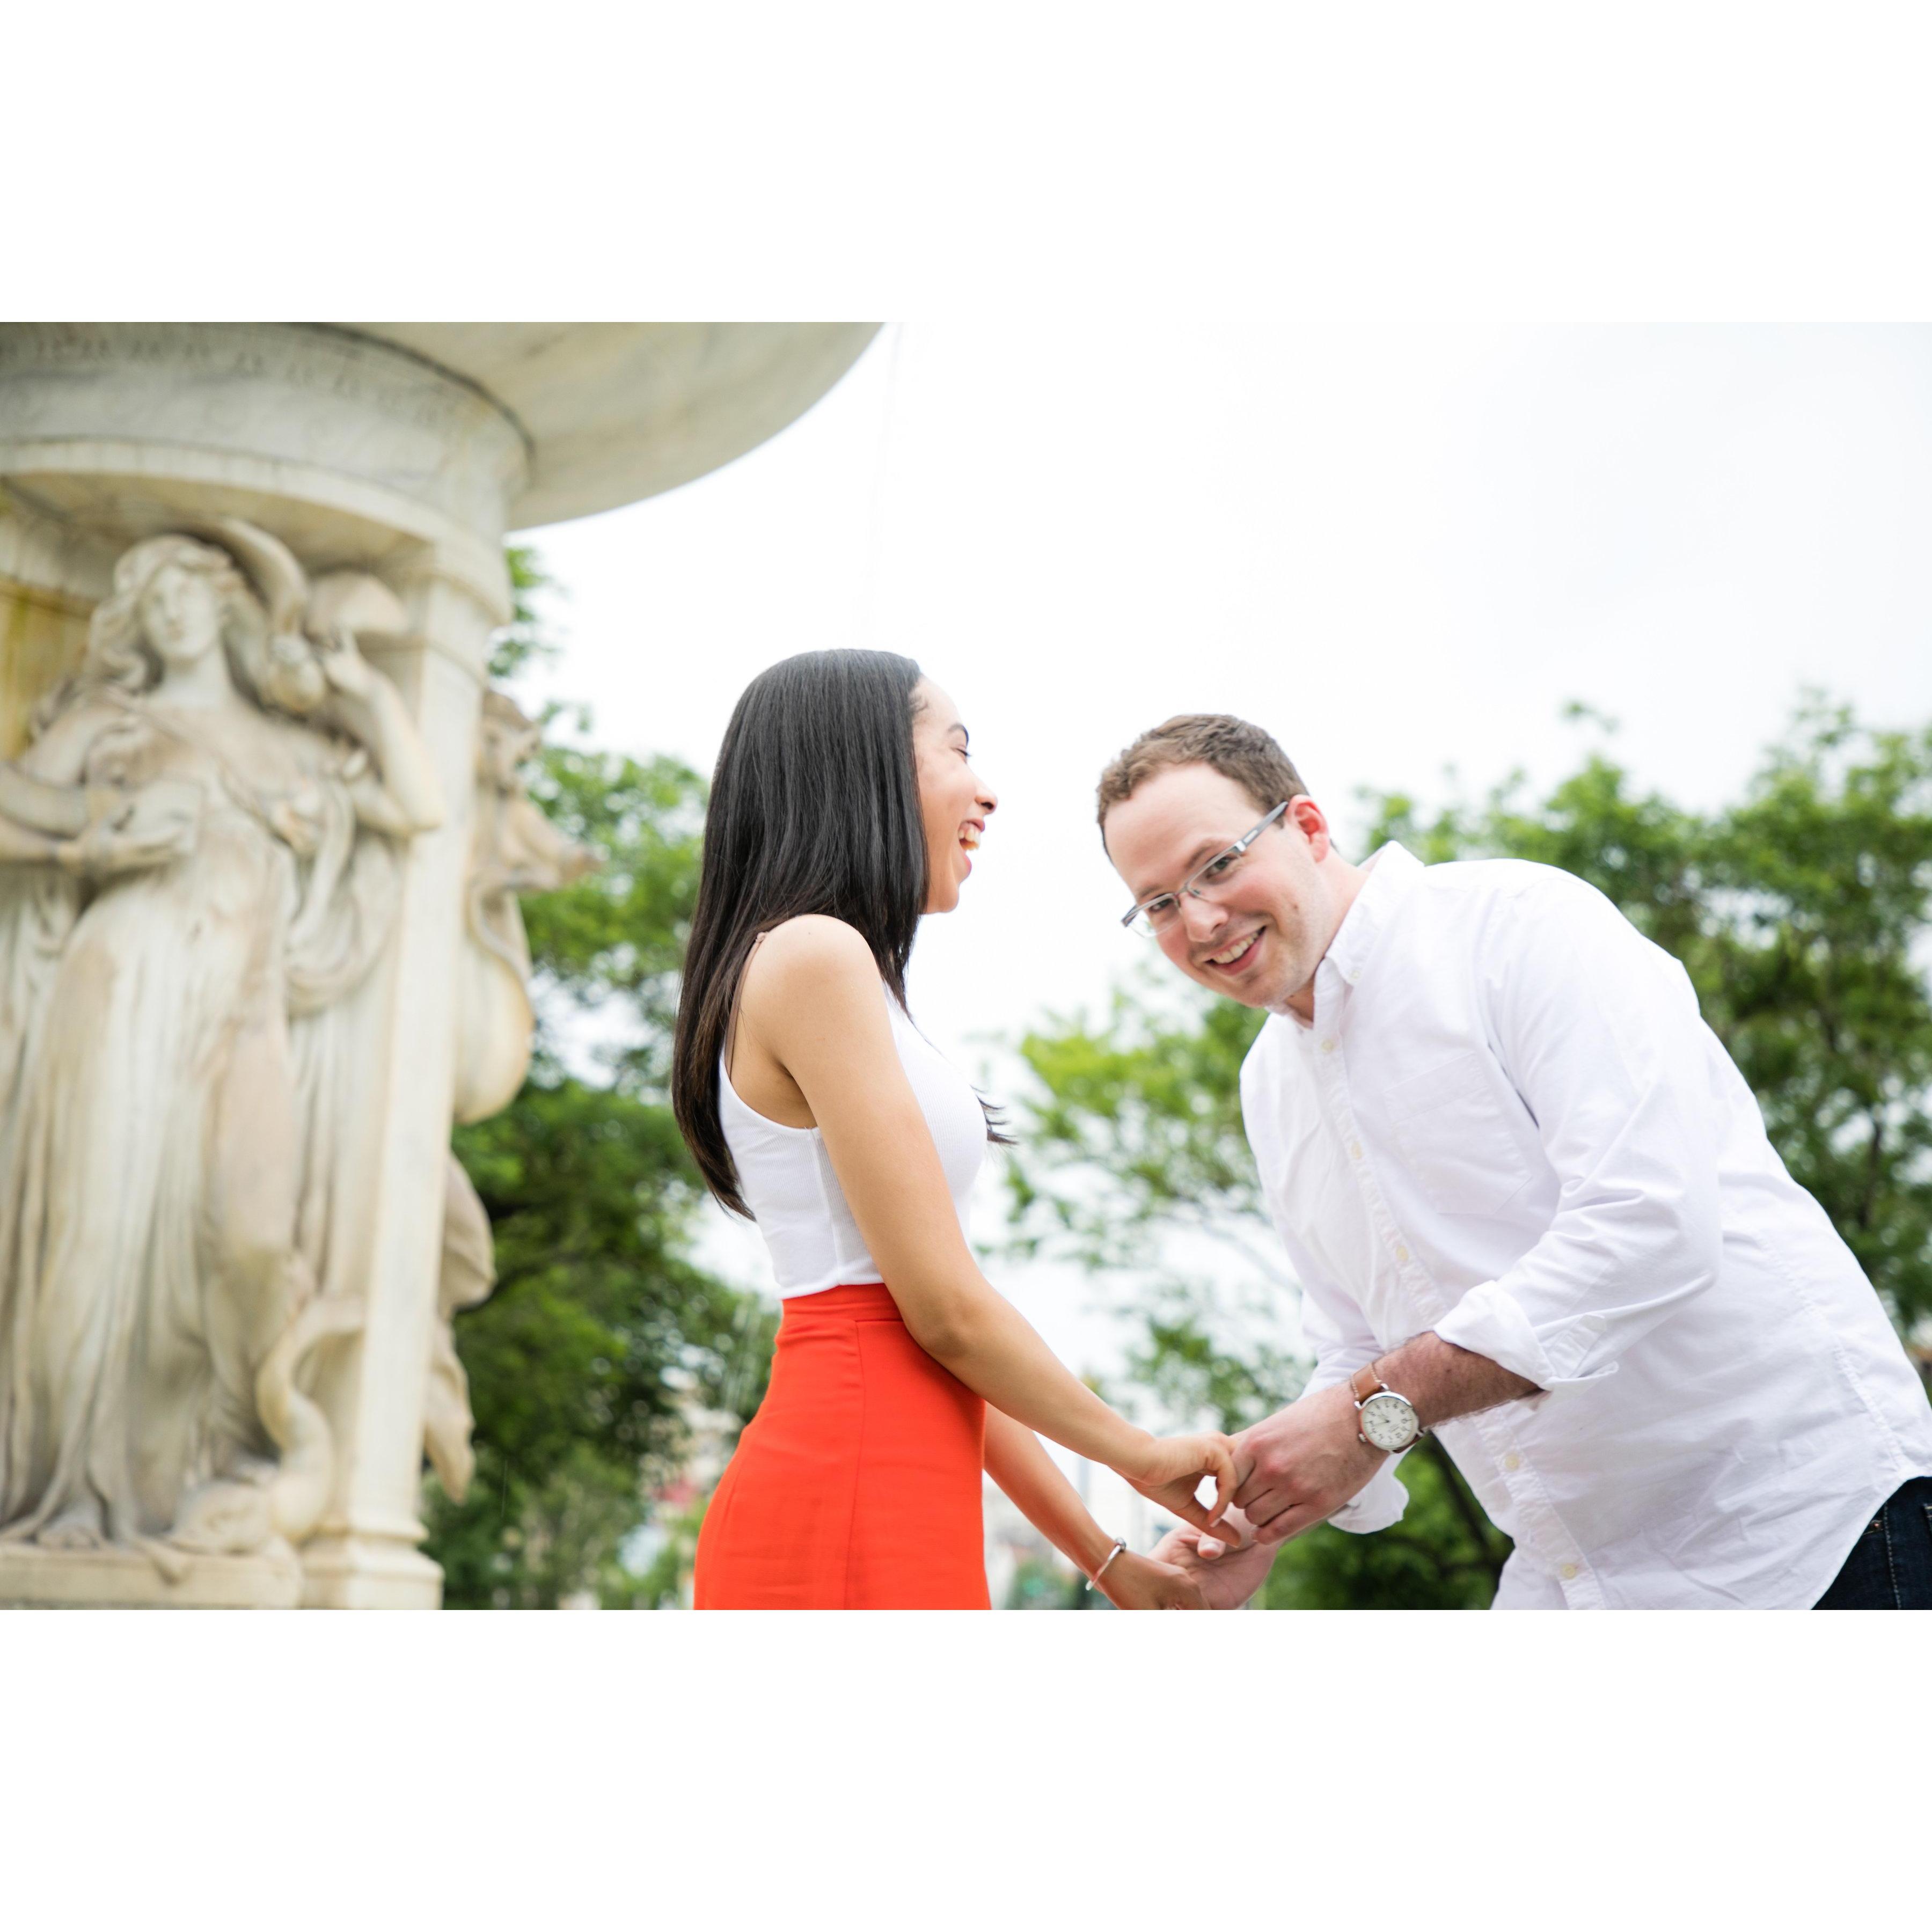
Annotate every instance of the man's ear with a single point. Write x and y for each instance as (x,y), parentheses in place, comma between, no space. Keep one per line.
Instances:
(1312,823)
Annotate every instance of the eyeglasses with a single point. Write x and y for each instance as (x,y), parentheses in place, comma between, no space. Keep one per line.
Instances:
(1155,916)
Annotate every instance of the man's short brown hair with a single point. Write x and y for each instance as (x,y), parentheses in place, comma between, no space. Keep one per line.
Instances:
(1233,747)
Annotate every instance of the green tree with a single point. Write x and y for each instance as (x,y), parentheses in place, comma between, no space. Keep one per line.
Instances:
(1802,913)
(1040,1584)
(602,1333)
(525,640)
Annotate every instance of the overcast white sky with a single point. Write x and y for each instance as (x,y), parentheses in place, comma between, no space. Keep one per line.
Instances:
(1397,547)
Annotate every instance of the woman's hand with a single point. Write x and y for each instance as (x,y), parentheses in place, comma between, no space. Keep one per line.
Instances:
(1170,1469)
(1226,1574)
(1143,1583)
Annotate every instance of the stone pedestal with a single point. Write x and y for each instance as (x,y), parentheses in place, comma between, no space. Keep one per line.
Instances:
(359,449)
(116,1580)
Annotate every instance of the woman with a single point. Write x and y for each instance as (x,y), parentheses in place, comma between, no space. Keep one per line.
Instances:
(844,807)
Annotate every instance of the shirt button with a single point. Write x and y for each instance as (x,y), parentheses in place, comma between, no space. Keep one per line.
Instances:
(1512,1461)
(1328,1046)
(1401,1252)
(1569,1573)
(1355,1149)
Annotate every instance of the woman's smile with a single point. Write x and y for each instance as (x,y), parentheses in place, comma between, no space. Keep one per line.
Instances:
(947,781)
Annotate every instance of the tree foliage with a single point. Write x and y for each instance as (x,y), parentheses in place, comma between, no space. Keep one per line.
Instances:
(524,640)
(1802,912)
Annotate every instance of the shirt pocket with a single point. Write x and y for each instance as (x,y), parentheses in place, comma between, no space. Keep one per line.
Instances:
(1456,1139)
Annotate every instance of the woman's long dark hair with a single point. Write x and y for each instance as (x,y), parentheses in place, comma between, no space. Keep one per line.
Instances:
(815,809)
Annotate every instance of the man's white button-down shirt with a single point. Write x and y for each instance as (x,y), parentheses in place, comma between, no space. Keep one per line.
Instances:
(1508,1123)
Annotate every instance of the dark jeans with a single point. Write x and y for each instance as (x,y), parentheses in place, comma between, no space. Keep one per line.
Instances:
(1892,1568)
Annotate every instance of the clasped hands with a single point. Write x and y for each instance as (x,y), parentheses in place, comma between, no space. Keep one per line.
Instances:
(1271,1482)
(1293,1470)
(1167,1470)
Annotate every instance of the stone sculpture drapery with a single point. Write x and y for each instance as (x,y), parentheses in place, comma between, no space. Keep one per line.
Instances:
(199,869)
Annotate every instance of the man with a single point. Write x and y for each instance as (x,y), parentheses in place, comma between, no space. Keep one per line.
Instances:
(1532,1207)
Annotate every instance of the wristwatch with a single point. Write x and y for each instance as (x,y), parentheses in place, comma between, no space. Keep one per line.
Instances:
(1389,1420)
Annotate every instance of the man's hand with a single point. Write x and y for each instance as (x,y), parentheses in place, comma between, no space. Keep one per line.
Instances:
(1302,1465)
(1226,1582)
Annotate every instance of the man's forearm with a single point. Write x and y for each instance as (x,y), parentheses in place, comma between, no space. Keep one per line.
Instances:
(1301,1466)
(1442,1381)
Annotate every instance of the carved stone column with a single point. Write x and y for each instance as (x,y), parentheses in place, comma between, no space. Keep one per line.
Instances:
(357,455)
(365,1555)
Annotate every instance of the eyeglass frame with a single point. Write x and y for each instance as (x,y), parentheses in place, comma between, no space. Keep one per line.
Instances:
(1189,886)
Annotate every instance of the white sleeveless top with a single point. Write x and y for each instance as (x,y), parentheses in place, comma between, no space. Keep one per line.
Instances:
(785,1175)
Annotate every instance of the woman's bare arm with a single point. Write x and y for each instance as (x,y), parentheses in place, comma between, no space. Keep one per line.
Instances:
(1031,1479)
(813,1001)
(1027,1474)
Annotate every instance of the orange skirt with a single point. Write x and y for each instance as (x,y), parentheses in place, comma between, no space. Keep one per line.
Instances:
(857,1485)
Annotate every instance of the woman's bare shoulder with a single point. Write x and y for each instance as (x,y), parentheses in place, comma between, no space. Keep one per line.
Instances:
(813,954)
(815,945)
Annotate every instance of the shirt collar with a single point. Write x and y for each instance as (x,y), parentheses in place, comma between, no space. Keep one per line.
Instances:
(1390,874)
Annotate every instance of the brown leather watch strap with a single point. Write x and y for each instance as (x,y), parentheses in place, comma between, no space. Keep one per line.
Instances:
(1365,1382)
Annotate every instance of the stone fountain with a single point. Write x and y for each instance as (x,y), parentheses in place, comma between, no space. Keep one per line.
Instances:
(261,836)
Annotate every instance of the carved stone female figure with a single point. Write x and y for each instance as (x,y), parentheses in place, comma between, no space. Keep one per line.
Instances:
(244,787)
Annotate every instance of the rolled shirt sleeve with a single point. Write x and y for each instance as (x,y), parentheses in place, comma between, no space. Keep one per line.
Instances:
(1598,1031)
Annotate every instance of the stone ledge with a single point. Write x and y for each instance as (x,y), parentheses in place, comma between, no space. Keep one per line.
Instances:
(368,1573)
(32,1578)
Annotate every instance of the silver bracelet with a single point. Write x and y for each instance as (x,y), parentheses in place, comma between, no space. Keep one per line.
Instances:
(1119,1544)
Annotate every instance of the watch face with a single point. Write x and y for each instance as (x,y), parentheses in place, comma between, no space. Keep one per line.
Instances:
(1388,1422)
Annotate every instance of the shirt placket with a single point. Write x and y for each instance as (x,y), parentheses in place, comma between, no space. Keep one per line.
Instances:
(1550,1541)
